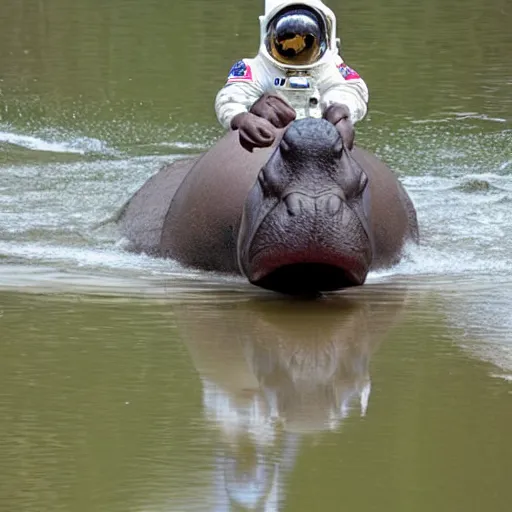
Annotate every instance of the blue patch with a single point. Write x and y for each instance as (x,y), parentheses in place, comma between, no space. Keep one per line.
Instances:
(239,70)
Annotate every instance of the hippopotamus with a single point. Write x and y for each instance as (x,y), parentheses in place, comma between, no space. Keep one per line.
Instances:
(303,216)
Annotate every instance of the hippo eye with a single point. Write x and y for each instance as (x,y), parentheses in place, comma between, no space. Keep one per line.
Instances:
(270,182)
(264,182)
(363,182)
(284,146)
(338,147)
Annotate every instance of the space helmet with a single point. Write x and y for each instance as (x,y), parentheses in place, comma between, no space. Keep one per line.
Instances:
(297,35)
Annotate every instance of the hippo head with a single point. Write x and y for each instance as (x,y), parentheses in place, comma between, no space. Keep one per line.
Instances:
(304,226)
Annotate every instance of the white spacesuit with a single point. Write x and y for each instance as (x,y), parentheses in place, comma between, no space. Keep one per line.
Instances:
(299,60)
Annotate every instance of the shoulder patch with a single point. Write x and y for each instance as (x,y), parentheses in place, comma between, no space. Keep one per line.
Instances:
(347,72)
(240,72)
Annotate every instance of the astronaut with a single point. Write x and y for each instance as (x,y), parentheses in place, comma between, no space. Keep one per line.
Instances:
(298,72)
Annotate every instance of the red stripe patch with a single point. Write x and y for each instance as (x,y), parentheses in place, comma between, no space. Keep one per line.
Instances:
(240,72)
(347,72)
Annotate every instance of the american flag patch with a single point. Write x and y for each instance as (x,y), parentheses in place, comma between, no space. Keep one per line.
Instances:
(240,72)
(348,73)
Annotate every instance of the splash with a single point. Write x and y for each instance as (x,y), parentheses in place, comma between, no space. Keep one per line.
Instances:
(78,145)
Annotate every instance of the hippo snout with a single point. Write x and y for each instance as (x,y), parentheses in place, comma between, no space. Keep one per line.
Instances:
(311,137)
(298,203)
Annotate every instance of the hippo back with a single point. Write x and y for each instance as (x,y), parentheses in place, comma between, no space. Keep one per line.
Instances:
(201,225)
(392,214)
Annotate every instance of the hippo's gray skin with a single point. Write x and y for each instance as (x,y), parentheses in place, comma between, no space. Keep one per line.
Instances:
(303,216)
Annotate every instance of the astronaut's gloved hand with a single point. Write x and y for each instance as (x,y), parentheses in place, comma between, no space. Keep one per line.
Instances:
(275,109)
(254,131)
(339,116)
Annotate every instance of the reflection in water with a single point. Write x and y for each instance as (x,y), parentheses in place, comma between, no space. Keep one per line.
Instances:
(101,407)
(274,373)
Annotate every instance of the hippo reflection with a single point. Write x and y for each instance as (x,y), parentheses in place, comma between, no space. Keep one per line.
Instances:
(274,373)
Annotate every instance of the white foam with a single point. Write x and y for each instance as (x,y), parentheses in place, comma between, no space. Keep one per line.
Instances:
(88,257)
(508,378)
(425,260)
(459,116)
(505,165)
(106,270)
(182,145)
(79,145)
(479,117)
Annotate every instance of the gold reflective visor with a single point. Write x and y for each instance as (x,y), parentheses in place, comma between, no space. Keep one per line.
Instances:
(296,43)
(297,38)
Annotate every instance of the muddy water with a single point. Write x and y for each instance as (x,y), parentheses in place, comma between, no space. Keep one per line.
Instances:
(128,383)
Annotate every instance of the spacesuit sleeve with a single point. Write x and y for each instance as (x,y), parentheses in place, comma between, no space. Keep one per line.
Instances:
(239,93)
(344,85)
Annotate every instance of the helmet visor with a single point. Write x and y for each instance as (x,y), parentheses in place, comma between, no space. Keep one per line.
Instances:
(297,37)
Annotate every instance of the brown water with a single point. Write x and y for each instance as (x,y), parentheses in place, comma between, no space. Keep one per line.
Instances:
(197,403)
(128,383)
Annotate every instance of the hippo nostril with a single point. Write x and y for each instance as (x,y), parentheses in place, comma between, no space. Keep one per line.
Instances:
(293,204)
(333,205)
(330,203)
